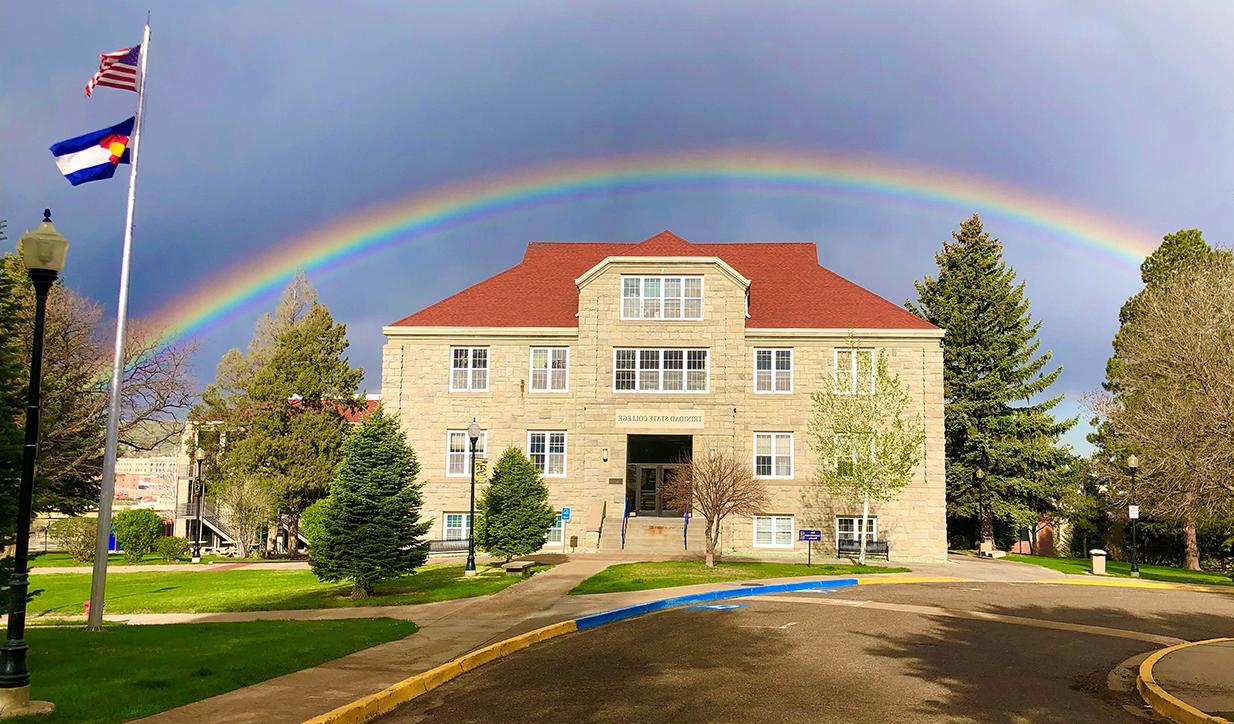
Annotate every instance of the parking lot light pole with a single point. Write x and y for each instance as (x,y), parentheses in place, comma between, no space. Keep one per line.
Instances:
(1133,462)
(43,251)
(473,432)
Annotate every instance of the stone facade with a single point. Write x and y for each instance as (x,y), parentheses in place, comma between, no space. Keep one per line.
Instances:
(416,369)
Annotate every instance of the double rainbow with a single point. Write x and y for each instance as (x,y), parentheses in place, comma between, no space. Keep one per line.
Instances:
(354,236)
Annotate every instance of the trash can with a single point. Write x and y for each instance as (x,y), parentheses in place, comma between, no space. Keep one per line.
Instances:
(1098,556)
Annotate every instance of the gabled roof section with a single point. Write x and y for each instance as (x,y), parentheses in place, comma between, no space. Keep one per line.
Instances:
(788,289)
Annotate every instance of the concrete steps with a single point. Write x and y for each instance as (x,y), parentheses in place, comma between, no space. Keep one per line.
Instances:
(663,536)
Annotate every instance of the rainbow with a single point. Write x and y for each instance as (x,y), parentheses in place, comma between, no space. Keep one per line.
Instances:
(419,215)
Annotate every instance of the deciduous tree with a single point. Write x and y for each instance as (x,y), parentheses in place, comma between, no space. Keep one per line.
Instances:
(1174,404)
(993,383)
(867,444)
(714,485)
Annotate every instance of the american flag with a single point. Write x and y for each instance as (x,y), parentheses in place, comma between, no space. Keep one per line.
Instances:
(117,69)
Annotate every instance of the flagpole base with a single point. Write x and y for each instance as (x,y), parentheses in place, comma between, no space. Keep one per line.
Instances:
(16,702)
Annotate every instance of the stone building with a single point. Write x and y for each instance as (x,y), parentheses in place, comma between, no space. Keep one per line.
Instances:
(608,362)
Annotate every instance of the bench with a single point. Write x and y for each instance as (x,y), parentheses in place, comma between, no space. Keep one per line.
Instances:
(522,567)
(873,548)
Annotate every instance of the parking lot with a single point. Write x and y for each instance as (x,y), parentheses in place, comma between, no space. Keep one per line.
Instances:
(1004,652)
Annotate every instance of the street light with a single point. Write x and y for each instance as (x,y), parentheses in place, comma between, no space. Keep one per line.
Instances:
(1133,512)
(473,432)
(979,474)
(43,251)
(200,484)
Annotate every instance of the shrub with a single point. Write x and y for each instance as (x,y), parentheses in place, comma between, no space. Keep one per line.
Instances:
(171,548)
(514,512)
(137,529)
(75,536)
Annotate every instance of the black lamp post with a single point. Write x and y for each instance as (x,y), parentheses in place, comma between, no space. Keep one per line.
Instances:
(200,484)
(1133,512)
(43,251)
(473,432)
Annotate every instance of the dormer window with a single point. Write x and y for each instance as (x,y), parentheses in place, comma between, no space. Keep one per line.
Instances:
(662,297)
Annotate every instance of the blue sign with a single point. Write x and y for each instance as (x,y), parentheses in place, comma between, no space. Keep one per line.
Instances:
(808,534)
(565,514)
(719,606)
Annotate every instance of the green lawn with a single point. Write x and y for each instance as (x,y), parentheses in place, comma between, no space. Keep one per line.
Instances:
(126,672)
(254,590)
(1082,566)
(56,559)
(666,574)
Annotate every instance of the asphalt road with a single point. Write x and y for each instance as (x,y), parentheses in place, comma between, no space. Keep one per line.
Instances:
(1004,653)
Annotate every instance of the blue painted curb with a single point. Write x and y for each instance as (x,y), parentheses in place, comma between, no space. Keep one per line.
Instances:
(617,614)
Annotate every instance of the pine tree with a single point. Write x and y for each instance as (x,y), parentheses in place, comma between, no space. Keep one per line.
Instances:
(514,514)
(1001,446)
(12,405)
(369,529)
(1178,251)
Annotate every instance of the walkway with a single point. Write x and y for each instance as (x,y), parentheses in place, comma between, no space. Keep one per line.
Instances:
(1196,678)
(447,630)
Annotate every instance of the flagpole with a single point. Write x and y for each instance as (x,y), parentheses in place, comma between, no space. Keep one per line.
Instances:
(98,581)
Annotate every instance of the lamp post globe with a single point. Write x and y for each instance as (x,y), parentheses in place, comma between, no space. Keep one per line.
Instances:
(43,251)
(1133,463)
(473,434)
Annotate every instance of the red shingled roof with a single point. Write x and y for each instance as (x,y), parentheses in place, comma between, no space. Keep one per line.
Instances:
(788,288)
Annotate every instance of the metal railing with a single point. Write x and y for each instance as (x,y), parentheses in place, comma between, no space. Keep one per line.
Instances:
(685,532)
(625,515)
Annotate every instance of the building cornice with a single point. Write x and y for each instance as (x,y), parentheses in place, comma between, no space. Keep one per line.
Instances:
(492,332)
(722,265)
(840,333)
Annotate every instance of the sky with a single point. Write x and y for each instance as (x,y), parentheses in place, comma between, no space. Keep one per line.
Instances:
(265,121)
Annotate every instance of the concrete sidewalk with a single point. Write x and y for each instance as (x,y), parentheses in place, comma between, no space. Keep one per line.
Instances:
(1200,676)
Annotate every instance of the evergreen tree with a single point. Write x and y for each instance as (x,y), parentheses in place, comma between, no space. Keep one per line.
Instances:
(12,408)
(513,511)
(369,529)
(279,411)
(1002,451)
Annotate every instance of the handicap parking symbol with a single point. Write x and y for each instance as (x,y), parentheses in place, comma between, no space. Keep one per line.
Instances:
(719,606)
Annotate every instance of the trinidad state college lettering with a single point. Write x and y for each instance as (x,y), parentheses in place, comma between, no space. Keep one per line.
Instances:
(681,419)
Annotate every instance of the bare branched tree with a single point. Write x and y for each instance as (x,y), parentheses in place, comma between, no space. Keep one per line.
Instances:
(1177,409)
(245,506)
(716,485)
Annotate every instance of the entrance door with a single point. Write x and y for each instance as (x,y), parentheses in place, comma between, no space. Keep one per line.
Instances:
(651,481)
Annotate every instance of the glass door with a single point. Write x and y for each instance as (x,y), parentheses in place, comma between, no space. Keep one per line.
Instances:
(648,490)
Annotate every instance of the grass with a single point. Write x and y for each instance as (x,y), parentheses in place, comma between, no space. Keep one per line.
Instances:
(247,590)
(1083,566)
(666,574)
(56,559)
(126,672)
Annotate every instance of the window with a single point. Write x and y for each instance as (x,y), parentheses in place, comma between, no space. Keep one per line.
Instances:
(556,534)
(847,528)
(773,531)
(773,370)
(468,369)
(458,451)
(661,297)
(852,448)
(550,369)
(547,451)
(773,454)
(854,371)
(660,370)
(457,526)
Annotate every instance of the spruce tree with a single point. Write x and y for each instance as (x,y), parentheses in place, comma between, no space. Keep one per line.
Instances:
(369,528)
(1002,453)
(514,514)
(1178,251)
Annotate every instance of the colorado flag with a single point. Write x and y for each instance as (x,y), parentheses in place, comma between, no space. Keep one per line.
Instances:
(95,155)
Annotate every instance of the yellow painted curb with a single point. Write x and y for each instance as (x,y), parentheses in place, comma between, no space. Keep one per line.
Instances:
(1137,583)
(374,705)
(1165,703)
(883,578)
